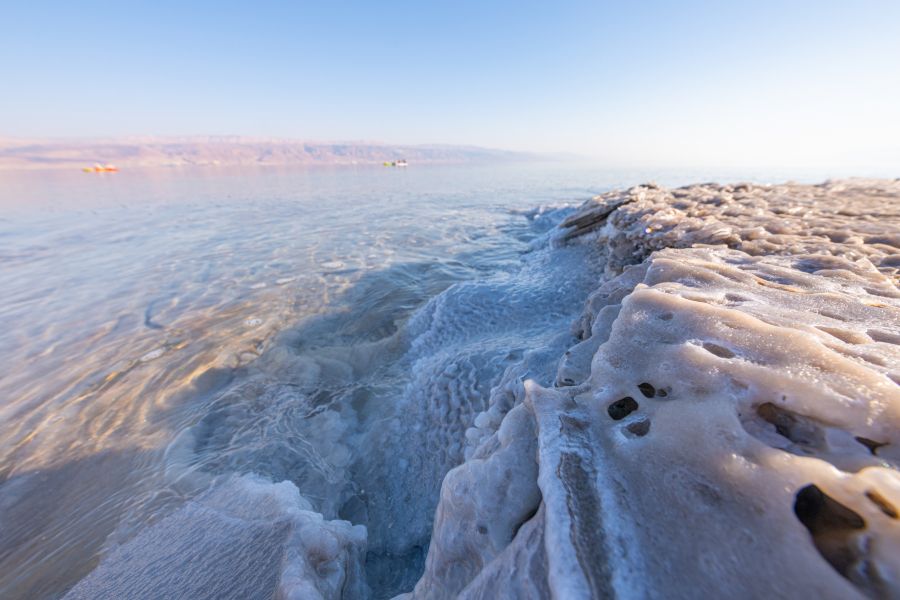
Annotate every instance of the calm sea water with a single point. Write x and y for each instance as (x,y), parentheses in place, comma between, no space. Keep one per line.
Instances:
(336,328)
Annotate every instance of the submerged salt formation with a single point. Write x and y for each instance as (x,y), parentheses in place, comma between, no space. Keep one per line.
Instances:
(727,424)
(242,539)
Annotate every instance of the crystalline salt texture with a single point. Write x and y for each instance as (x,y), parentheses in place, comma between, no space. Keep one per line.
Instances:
(245,538)
(728,424)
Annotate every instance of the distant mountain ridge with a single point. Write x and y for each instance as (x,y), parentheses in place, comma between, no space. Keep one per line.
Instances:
(154,151)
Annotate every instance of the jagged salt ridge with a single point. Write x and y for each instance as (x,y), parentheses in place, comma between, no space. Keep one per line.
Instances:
(727,425)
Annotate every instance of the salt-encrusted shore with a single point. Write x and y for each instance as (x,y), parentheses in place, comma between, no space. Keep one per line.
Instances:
(724,423)
(728,424)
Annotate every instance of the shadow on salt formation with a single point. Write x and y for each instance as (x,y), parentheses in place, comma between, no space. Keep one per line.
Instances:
(798,434)
(841,536)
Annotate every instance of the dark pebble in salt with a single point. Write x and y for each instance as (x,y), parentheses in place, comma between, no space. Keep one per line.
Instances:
(639,428)
(647,389)
(620,409)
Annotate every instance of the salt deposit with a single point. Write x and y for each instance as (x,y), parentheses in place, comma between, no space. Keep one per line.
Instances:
(727,423)
(280,544)
(665,393)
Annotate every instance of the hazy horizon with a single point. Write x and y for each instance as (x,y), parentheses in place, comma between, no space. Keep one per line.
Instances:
(809,84)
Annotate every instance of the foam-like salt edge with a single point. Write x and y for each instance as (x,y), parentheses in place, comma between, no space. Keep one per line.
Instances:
(728,423)
(243,538)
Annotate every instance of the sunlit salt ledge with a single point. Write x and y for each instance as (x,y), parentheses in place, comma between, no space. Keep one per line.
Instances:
(725,424)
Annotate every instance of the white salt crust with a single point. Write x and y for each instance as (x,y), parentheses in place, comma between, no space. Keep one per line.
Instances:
(727,425)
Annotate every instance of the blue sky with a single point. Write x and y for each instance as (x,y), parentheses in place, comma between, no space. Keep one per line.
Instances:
(653,83)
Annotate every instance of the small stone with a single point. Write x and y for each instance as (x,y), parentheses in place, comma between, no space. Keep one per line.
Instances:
(647,389)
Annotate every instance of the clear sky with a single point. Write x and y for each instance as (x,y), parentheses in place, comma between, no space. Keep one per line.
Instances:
(760,83)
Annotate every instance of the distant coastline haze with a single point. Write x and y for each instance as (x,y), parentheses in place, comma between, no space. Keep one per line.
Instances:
(697,83)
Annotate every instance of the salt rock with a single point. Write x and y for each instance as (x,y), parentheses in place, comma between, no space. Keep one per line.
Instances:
(727,424)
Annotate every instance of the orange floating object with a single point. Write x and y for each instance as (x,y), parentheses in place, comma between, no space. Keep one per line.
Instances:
(98,168)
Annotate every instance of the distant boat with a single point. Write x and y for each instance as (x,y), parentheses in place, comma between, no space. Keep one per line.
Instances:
(98,168)
(396,163)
